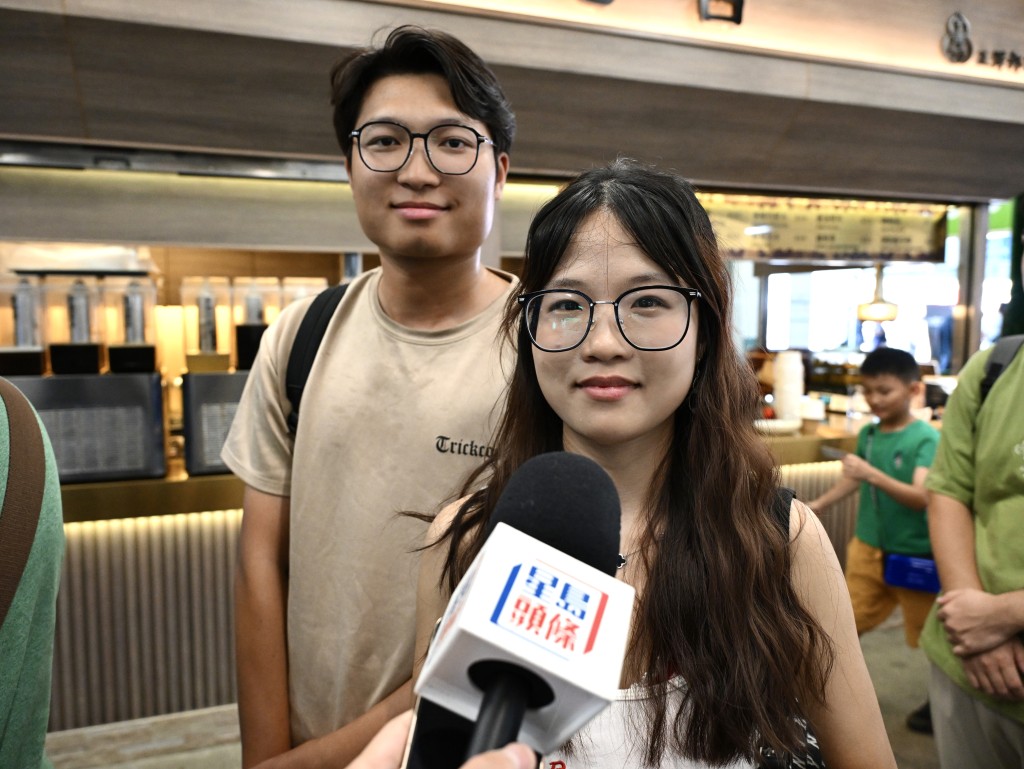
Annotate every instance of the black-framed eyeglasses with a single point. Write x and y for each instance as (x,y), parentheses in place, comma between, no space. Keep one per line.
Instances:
(452,149)
(650,318)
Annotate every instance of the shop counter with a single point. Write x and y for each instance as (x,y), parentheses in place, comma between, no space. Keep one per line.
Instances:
(177,493)
(802,447)
(182,493)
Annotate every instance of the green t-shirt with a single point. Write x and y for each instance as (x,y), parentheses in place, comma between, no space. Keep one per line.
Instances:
(980,462)
(883,522)
(26,638)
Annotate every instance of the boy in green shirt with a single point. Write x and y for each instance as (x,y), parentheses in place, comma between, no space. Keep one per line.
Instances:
(889,469)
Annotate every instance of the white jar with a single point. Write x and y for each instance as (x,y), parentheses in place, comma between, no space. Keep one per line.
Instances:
(789,384)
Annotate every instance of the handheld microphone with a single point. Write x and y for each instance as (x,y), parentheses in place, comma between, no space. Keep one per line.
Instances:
(532,642)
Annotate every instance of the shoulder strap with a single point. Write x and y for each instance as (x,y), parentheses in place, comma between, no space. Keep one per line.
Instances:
(780,508)
(1004,352)
(306,345)
(26,474)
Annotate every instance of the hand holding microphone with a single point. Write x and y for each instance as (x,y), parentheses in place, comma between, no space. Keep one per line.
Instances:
(532,642)
(385,751)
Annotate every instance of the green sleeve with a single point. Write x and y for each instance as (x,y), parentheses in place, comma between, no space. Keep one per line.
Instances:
(862,440)
(927,447)
(27,634)
(952,472)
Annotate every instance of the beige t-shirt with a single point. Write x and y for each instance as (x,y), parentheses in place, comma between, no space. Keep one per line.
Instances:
(392,419)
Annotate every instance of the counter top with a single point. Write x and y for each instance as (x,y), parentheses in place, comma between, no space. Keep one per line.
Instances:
(181,493)
(800,447)
(176,493)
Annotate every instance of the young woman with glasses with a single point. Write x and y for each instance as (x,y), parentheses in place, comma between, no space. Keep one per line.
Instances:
(742,626)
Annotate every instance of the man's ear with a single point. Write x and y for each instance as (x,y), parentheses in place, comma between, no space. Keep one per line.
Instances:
(501,175)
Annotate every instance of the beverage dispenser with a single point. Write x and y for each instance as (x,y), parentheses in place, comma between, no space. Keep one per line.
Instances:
(207,317)
(72,324)
(129,317)
(210,391)
(21,327)
(104,419)
(256,304)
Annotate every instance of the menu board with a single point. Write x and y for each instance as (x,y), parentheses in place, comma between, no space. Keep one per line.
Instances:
(825,230)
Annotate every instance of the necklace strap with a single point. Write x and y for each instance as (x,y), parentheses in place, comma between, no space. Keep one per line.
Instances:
(624,559)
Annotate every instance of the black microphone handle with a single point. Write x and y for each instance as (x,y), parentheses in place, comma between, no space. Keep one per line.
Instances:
(501,714)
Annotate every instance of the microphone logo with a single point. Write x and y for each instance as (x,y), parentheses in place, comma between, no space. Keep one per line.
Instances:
(550,609)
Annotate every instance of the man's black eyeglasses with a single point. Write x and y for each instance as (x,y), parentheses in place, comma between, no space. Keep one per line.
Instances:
(452,149)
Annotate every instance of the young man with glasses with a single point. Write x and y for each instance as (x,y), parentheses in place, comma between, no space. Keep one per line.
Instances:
(410,367)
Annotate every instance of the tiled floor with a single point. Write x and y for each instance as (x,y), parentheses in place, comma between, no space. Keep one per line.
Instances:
(198,739)
(900,675)
(208,739)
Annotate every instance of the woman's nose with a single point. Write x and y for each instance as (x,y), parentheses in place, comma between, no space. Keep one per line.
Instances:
(605,337)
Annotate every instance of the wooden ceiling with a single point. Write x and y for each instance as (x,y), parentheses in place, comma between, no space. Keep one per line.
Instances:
(111,83)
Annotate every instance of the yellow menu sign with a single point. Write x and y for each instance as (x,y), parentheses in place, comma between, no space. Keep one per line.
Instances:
(826,230)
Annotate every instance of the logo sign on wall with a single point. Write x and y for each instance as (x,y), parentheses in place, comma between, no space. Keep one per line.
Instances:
(958,48)
(956,43)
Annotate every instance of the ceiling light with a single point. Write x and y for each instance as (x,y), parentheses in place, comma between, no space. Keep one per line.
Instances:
(877,309)
(722,10)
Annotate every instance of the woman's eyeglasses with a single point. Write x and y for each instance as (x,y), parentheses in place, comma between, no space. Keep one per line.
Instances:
(650,317)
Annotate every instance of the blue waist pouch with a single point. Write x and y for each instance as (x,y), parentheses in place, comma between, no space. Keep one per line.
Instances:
(912,572)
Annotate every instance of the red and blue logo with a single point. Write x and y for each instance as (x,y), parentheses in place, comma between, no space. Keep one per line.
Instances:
(551,609)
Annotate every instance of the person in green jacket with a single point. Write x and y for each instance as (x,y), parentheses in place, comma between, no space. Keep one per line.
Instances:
(27,633)
(976,520)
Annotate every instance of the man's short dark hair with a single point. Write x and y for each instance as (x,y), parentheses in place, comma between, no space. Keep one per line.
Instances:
(411,50)
(889,360)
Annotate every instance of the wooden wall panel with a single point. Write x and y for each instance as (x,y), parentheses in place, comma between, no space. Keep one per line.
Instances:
(196,89)
(37,86)
(168,209)
(900,34)
(725,114)
(177,263)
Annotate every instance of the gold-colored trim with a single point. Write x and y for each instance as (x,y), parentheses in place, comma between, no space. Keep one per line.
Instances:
(177,493)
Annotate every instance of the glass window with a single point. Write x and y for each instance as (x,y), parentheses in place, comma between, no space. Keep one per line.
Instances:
(816,309)
(995,286)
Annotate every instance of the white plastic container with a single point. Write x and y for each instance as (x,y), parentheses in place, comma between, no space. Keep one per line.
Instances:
(788,388)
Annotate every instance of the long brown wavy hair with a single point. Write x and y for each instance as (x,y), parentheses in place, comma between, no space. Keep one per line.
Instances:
(718,608)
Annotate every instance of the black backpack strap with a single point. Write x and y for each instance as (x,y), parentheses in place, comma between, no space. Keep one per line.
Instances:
(780,508)
(1004,352)
(306,345)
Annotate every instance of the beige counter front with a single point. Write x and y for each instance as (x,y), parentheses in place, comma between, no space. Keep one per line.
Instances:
(150,567)
(176,493)
(800,448)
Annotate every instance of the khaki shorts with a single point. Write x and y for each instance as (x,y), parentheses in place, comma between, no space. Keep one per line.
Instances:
(873,600)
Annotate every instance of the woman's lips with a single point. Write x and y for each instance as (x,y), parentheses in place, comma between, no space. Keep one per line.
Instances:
(607,388)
